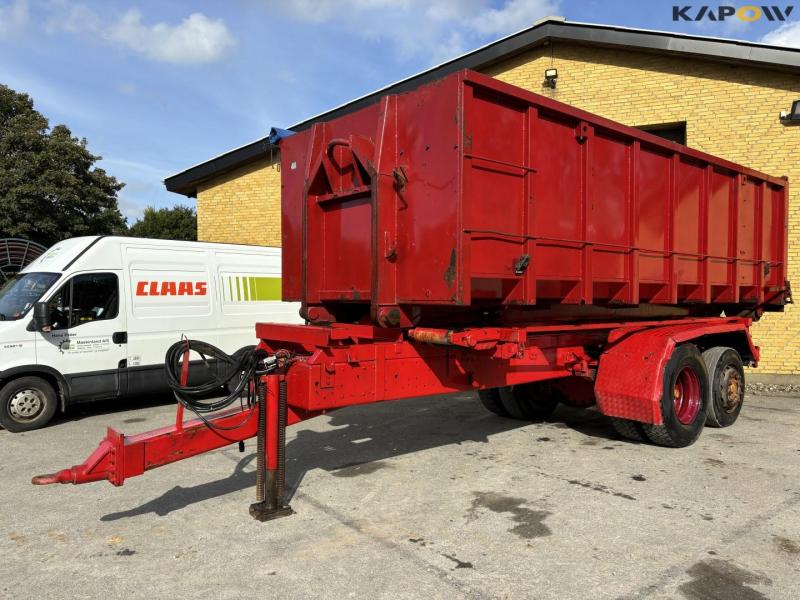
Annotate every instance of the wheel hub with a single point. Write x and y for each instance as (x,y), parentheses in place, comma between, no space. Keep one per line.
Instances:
(731,390)
(26,404)
(686,396)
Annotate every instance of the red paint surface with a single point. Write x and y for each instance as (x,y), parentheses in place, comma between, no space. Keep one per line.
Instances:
(608,214)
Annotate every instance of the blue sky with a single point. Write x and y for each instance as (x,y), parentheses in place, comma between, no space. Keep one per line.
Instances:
(158,86)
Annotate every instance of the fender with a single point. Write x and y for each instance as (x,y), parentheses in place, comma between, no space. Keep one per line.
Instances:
(630,374)
(22,370)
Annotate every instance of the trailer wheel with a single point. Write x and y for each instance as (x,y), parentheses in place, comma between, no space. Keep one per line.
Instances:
(629,430)
(525,402)
(26,403)
(726,386)
(684,401)
(491,401)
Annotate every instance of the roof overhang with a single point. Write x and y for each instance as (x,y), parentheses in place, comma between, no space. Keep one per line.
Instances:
(545,31)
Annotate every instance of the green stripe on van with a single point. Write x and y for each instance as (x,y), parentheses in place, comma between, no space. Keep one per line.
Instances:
(265,288)
(254,289)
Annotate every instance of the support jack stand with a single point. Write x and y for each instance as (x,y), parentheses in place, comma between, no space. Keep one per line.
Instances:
(270,453)
(261,512)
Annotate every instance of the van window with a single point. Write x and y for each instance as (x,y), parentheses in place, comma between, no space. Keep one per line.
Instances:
(85,298)
(20,292)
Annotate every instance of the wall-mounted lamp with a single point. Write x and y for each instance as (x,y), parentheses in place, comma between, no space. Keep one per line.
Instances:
(792,115)
(550,76)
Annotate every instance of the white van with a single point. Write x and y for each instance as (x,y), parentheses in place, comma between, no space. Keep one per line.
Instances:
(113,307)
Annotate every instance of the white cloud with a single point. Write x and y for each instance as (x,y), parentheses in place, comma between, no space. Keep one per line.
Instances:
(13,17)
(514,15)
(441,29)
(132,210)
(451,46)
(135,166)
(196,39)
(787,34)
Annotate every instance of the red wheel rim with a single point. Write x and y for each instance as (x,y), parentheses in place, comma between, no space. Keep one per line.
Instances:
(686,396)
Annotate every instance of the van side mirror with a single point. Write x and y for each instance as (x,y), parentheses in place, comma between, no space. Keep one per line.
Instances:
(41,316)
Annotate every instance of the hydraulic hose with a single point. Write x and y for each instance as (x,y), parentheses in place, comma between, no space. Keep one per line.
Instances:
(244,366)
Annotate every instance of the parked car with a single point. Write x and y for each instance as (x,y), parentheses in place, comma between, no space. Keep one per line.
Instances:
(109,307)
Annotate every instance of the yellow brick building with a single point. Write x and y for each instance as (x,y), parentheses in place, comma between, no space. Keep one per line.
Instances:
(719,96)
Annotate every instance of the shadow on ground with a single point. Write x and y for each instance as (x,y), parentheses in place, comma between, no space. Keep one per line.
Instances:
(84,410)
(365,435)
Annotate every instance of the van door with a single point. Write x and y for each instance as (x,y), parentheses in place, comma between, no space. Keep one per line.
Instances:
(87,342)
(170,296)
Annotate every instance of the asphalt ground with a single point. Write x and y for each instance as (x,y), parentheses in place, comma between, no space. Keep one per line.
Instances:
(424,498)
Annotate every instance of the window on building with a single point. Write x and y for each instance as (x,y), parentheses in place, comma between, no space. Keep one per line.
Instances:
(674,132)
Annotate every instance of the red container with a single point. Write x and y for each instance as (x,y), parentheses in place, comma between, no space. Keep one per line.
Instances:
(472,200)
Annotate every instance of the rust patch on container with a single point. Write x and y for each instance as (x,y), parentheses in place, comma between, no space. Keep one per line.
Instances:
(450,272)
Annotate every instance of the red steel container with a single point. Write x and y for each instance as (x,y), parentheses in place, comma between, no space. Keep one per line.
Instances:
(472,199)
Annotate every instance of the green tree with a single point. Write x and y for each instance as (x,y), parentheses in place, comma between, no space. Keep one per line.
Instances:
(49,187)
(176,223)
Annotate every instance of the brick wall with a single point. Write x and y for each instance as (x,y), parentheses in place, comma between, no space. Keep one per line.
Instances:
(242,206)
(730,111)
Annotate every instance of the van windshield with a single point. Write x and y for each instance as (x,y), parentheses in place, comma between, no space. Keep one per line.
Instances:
(20,292)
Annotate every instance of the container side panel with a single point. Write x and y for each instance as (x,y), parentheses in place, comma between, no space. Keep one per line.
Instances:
(774,227)
(688,221)
(293,156)
(653,175)
(607,212)
(347,228)
(494,126)
(338,211)
(767,249)
(556,197)
(429,123)
(720,220)
(494,209)
(498,198)
(746,241)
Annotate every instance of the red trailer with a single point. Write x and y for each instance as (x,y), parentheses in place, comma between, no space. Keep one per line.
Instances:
(470,235)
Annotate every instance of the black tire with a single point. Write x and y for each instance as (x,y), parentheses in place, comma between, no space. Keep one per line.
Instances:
(527,402)
(629,430)
(491,401)
(725,386)
(27,403)
(682,426)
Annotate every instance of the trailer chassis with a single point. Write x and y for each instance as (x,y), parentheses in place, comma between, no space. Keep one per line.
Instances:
(328,367)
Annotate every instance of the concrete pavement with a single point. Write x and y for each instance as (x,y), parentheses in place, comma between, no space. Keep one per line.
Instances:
(430,497)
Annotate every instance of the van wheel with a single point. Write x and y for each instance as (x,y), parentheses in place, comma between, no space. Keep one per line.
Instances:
(684,400)
(726,383)
(26,403)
